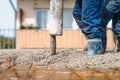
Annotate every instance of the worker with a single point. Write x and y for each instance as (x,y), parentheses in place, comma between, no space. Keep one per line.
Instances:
(111,11)
(87,14)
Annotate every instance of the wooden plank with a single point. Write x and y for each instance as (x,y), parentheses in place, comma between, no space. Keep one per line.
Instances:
(18,72)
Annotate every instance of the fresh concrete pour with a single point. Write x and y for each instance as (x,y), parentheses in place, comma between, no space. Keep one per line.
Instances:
(64,57)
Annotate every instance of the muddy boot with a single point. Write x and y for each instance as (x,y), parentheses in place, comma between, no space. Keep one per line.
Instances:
(94,47)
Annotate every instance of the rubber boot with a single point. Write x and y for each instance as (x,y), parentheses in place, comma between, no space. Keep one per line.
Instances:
(95,47)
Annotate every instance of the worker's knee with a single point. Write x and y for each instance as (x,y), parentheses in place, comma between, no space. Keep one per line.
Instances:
(113,6)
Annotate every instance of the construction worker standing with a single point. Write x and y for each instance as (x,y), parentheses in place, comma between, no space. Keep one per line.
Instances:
(87,14)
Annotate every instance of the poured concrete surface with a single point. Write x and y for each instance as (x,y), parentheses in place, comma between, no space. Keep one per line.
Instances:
(64,57)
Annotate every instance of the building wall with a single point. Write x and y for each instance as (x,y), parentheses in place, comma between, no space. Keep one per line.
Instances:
(41,39)
(29,7)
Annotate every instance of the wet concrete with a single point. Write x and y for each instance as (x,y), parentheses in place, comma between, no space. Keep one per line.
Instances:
(64,57)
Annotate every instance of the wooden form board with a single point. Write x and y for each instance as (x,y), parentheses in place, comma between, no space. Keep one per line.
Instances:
(30,72)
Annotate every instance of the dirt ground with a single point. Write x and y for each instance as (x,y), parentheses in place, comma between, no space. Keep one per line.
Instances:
(64,57)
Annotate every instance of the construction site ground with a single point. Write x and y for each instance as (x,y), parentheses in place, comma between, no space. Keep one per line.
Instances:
(67,64)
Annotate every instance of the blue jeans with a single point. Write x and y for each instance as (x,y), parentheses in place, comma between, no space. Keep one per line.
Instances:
(116,24)
(87,14)
(111,11)
(114,13)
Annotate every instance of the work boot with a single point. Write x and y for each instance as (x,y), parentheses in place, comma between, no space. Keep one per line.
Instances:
(95,47)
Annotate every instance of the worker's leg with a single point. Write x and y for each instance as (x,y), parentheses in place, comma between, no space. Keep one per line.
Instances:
(91,18)
(111,9)
(114,6)
(116,24)
(116,28)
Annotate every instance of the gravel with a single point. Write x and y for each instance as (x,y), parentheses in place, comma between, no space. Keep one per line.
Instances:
(64,57)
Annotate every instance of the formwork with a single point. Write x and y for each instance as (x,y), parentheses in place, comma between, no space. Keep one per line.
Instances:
(31,72)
